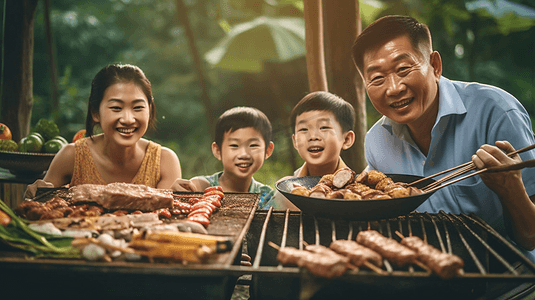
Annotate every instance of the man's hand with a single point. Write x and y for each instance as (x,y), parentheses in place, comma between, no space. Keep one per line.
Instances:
(32,188)
(493,156)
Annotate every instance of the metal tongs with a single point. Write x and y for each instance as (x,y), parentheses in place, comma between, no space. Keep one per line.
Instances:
(469,166)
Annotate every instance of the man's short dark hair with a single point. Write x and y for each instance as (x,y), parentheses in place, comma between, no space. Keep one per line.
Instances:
(325,101)
(242,117)
(387,28)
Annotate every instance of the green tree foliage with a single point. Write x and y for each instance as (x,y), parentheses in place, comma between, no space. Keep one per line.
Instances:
(147,33)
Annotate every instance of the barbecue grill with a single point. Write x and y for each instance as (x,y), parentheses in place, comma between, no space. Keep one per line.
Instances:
(491,262)
(79,279)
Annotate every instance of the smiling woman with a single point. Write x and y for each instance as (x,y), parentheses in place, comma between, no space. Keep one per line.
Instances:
(121,104)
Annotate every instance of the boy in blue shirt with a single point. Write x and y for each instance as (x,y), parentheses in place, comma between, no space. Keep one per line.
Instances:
(242,143)
(323,127)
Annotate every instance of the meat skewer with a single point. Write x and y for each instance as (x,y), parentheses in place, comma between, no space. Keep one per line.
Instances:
(389,248)
(443,264)
(320,249)
(358,254)
(321,264)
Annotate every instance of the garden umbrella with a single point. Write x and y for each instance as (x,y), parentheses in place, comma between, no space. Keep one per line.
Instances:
(509,16)
(248,45)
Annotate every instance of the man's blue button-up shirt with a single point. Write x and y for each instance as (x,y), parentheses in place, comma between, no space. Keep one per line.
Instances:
(469,115)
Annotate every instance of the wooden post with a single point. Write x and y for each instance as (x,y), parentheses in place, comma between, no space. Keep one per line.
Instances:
(54,103)
(17,74)
(317,78)
(341,27)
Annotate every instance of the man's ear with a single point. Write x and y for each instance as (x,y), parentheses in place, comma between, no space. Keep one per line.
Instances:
(216,151)
(349,139)
(269,150)
(294,141)
(436,63)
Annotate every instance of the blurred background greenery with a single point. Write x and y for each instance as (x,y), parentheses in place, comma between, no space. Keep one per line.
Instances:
(489,41)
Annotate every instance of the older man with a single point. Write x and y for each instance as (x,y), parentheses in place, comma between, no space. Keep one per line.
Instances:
(431,124)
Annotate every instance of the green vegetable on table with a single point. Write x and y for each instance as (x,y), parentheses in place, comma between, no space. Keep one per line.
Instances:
(9,145)
(16,233)
(47,128)
(30,143)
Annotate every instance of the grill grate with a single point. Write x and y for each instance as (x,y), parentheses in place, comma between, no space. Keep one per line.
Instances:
(488,257)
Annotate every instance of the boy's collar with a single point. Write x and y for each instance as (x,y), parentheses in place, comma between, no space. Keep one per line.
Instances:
(304,169)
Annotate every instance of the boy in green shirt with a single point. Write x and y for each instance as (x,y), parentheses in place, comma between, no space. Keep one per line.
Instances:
(242,143)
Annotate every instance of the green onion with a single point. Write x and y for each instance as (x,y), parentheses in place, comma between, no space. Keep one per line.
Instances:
(18,235)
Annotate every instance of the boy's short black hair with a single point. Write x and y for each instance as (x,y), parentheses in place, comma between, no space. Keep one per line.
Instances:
(242,117)
(325,101)
(387,28)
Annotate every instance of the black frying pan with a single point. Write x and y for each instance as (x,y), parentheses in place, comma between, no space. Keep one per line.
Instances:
(354,209)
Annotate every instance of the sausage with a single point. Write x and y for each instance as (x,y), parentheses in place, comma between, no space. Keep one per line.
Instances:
(164,212)
(387,247)
(342,177)
(357,253)
(213,188)
(202,210)
(319,263)
(443,264)
(319,191)
(199,218)
(203,204)
(214,193)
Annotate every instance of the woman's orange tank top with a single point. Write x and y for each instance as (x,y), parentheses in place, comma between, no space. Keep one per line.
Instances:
(85,170)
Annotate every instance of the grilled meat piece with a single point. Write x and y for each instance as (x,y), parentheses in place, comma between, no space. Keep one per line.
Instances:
(321,263)
(443,264)
(399,192)
(336,194)
(290,255)
(415,191)
(120,195)
(358,188)
(357,253)
(56,202)
(372,194)
(343,177)
(362,177)
(327,180)
(352,196)
(374,177)
(319,191)
(381,185)
(387,247)
(23,208)
(300,190)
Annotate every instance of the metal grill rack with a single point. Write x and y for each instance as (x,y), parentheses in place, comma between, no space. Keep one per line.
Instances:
(490,260)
